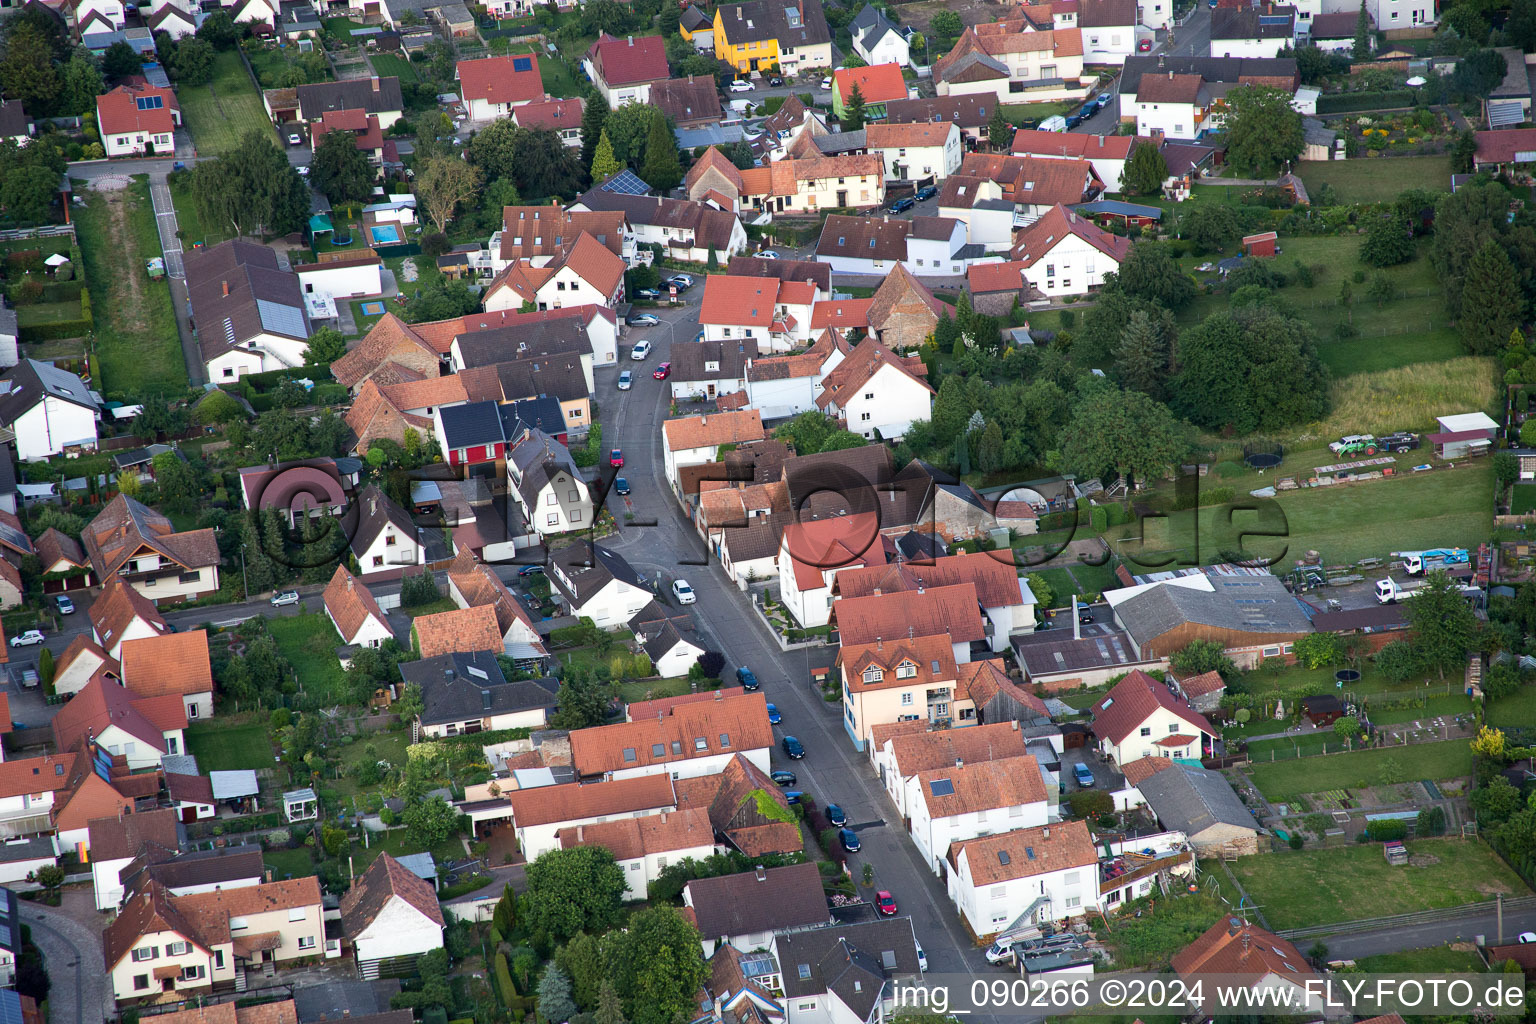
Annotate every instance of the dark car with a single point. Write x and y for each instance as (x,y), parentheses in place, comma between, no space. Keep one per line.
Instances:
(926,193)
(782,777)
(1089,109)
(793,748)
(747,680)
(1086,618)
(530,570)
(775,82)
(773,714)
(836,816)
(850,839)
(620,486)
(647,293)
(903,204)
(794,796)
(1073,120)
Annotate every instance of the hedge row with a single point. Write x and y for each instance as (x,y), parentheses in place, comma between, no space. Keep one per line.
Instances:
(1344,102)
(269,380)
(63,328)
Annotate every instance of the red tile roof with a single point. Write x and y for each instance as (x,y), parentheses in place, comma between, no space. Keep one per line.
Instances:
(1029,852)
(1032,142)
(722,428)
(735,300)
(631,838)
(840,542)
(953,610)
(556,115)
(1510,145)
(929,659)
(843,314)
(351,604)
(170,663)
(981,278)
(1143,768)
(1037,241)
(1234,947)
(879,83)
(982,785)
(547,805)
(629,61)
(1121,711)
(118,113)
(692,730)
(387,878)
(464,630)
(866,360)
(495,80)
(102,703)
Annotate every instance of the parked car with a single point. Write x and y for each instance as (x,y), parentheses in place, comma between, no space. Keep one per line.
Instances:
(767,254)
(926,193)
(903,204)
(836,816)
(27,639)
(683,592)
(616,458)
(640,351)
(747,680)
(626,380)
(793,796)
(1086,618)
(782,777)
(647,293)
(775,82)
(620,486)
(826,83)
(63,605)
(295,139)
(643,320)
(682,282)
(773,714)
(850,839)
(793,749)
(922,959)
(1145,46)
(1054,123)
(1083,774)
(740,85)
(663,371)
(28,679)
(885,903)
(531,570)
(1528,937)
(287,597)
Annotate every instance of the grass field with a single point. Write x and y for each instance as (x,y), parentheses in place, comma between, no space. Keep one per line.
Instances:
(289,863)
(1161,928)
(387,64)
(1297,889)
(48,312)
(221,748)
(1523,500)
(1517,711)
(1432,960)
(1442,508)
(558,79)
(188,220)
(220,113)
(1283,781)
(137,346)
(309,642)
(1376,180)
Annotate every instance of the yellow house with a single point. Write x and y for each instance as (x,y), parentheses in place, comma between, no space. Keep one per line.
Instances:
(767,35)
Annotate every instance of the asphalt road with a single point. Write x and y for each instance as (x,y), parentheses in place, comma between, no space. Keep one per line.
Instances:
(1421,936)
(1193,39)
(72,956)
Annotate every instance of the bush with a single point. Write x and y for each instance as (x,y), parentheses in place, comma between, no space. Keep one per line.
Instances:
(1295,842)
(1090,803)
(504,986)
(1431,822)
(1384,831)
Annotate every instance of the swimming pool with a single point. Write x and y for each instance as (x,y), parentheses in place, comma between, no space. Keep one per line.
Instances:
(384,234)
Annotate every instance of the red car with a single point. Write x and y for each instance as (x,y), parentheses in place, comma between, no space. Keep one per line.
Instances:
(616,458)
(663,371)
(886,902)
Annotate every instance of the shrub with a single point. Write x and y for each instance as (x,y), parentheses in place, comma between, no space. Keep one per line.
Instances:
(504,986)
(1295,842)
(1383,831)
(1090,803)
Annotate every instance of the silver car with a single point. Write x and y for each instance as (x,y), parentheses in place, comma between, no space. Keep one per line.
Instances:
(626,380)
(287,597)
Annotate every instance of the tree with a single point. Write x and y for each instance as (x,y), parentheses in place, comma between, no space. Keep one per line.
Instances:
(326,345)
(741,156)
(593,120)
(1319,650)
(546,167)
(1149,272)
(1464,152)
(571,891)
(1141,361)
(181,488)
(628,128)
(1443,626)
(999,131)
(1388,242)
(1382,290)
(555,1002)
(1045,594)
(80,83)
(1362,47)
(27,72)
(583,701)
(1496,802)
(1250,368)
(663,170)
(1210,226)
(610,1010)
(853,110)
(1489,742)
(1124,432)
(1491,303)
(51,877)
(1263,129)
(220,30)
(192,61)
(1397,661)
(946,24)
(410,705)
(1202,656)
(429,822)
(1145,171)
(340,171)
(27,192)
(494,149)
(1346,727)
(657,966)
(604,166)
(253,189)
(442,185)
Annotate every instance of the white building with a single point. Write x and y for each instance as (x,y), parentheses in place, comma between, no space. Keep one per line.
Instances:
(1031,875)
(689,741)
(548,487)
(813,552)
(877,39)
(539,814)
(695,440)
(250,314)
(763,313)
(464,693)
(1140,718)
(390,915)
(116,841)
(597,583)
(747,910)
(876,393)
(965,800)
(910,749)
(846,973)
(353,611)
(782,386)
(1108,30)
(50,411)
(1063,253)
(643,847)
(386,538)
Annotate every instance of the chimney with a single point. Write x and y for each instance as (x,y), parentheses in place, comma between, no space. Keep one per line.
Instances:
(631,40)
(762,875)
(269,875)
(375,85)
(1170,76)
(879,643)
(959,763)
(226,289)
(1045,833)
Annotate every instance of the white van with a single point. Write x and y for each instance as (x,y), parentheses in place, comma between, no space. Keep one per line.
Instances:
(1054,123)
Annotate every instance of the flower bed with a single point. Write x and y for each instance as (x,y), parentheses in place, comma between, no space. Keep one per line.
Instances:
(1418,132)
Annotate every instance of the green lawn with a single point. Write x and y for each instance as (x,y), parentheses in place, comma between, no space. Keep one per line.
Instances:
(48,312)
(1300,888)
(289,863)
(398,846)
(137,346)
(226,748)
(188,220)
(558,79)
(309,642)
(1345,523)
(220,113)
(1161,929)
(1286,780)
(1435,707)
(652,689)
(389,64)
(1516,711)
(1524,499)
(1433,960)
(1377,180)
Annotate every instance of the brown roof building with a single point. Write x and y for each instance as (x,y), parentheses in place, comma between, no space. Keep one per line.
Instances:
(130,539)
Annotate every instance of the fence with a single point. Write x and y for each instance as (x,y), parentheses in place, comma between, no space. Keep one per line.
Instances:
(1394,921)
(47,231)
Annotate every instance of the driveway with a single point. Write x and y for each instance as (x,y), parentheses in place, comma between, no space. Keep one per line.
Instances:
(79,994)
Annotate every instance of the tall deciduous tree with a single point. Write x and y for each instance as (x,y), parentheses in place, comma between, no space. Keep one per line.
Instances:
(546,167)
(1442,624)
(571,891)
(1263,129)
(253,190)
(604,166)
(1250,368)
(442,185)
(340,171)
(1491,302)
(657,966)
(1149,272)
(628,127)
(1145,171)
(1210,226)
(80,82)
(1125,432)
(1388,242)
(192,61)
(494,150)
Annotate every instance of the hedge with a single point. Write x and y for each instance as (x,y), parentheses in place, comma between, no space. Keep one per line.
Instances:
(270,379)
(1344,102)
(63,328)
(504,986)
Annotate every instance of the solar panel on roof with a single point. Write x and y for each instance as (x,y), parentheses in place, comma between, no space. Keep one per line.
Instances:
(522,63)
(942,787)
(626,183)
(1003,857)
(281,319)
(10,1007)
(149,102)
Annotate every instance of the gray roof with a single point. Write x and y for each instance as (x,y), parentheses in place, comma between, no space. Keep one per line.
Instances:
(375,95)
(819,274)
(31,380)
(590,568)
(541,339)
(1191,800)
(10,323)
(690,359)
(1212,69)
(659,636)
(969,111)
(13,119)
(374,509)
(870,25)
(971,60)
(37,848)
(834,143)
(1047,652)
(458,687)
(539,458)
(855,961)
(768,900)
(419,864)
(1244,604)
(559,376)
(1250,23)
(237,291)
(230,785)
(790,22)
(339,998)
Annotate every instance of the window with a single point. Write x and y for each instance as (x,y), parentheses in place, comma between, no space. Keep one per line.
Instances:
(145,953)
(865,417)
(306,942)
(700,743)
(873,674)
(725,739)
(1071,878)
(1050,270)
(575,515)
(1146,730)
(572,495)
(629,755)
(553,519)
(869,396)
(1074,901)
(658,750)
(941,708)
(999,892)
(177,948)
(1272,652)
(378,560)
(190,577)
(677,746)
(1173,728)
(551,498)
(141,981)
(296,913)
(1016,811)
(906,699)
(968,714)
(389,540)
(906,670)
(229,371)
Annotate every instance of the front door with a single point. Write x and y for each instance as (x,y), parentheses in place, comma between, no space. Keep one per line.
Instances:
(842,198)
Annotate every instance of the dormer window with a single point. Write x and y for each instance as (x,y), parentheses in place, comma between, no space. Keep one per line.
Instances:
(906,670)
(873,674)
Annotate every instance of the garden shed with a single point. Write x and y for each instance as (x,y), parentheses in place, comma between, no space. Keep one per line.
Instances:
(1262,244)
(300,805)
(1322,711)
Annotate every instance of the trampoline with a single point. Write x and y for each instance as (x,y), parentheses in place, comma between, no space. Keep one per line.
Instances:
(384,234)
(1263,454)
(373,308)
